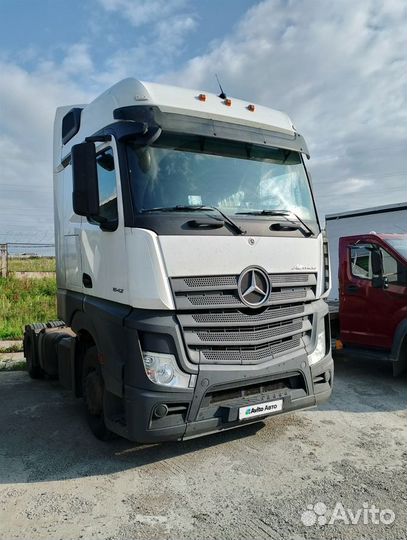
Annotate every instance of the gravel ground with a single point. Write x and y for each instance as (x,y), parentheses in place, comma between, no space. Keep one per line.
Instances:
(11,361)
(10,357)
(57,481)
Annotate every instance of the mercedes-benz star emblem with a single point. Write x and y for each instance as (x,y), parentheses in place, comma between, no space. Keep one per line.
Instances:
(254,287)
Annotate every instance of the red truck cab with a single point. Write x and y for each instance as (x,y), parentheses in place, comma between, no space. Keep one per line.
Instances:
(373,294)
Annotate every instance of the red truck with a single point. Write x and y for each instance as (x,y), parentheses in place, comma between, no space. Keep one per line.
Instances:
(372,274)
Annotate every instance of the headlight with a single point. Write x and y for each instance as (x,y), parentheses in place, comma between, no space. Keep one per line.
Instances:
(319,351)
(163,369)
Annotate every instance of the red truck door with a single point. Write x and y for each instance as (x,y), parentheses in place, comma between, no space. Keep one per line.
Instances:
(354,278)
(390,300)
(371,306)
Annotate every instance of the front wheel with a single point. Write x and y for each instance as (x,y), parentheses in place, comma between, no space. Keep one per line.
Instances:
(93,394)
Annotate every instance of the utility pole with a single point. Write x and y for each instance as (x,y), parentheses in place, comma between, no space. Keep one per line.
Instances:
(3,260)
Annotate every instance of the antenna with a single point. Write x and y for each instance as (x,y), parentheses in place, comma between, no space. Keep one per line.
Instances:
(222,94)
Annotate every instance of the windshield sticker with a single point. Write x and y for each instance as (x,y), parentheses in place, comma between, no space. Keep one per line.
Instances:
(194,200)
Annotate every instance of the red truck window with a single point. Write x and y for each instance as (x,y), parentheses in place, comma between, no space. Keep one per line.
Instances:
(393,270)
(360,257)
(361,265)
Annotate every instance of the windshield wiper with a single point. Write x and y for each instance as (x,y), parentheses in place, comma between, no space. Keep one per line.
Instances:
(177,208)
(234,225)
(195,208)
(284,213)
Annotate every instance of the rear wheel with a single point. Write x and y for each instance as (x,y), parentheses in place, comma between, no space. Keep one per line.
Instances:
(93,394)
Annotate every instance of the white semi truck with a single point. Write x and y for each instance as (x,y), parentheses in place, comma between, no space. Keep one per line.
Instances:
(191,266)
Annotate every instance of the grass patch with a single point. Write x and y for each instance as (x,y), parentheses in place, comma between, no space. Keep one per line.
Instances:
(12,349)
(31,264)
(24,301)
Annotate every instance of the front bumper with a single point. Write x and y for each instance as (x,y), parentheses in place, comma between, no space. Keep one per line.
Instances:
(213,404)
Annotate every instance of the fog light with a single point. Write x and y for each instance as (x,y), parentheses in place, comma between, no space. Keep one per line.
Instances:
(160,410)
(163,369)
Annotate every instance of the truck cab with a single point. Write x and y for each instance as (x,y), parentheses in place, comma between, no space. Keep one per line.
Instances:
(373,293)
(191,265)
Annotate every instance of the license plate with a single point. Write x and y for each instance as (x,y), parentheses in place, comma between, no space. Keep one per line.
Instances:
(260,409)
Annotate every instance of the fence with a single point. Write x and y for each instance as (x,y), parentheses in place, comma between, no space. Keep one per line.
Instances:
(27,260)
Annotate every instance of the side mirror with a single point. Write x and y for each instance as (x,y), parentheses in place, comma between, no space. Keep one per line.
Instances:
(380,282)
(85,194)
(377,262)
(377,282)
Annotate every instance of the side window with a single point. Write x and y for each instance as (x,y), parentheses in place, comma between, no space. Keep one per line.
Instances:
(395,272)
(107,185)
(360,261)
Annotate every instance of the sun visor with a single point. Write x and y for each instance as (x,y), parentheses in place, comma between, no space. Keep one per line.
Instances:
(207,127)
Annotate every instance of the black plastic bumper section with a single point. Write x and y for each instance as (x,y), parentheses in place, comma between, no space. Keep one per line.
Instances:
(322,379)
(213,405)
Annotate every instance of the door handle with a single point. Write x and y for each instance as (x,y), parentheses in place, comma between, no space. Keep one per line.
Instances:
(87,281)
(352,288)
(206,223)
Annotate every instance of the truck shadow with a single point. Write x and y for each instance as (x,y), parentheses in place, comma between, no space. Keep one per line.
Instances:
(44,437)
(86,457)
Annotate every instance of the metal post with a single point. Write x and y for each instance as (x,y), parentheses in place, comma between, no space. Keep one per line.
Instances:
(3,260)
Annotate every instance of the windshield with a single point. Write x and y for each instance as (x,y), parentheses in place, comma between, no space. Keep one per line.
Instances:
(181,170)
(399,245)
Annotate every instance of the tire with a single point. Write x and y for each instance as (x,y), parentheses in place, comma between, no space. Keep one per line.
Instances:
(400,366)
(34,370)
(93,393)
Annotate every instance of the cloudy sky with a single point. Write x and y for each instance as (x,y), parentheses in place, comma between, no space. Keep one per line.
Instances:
(337,67)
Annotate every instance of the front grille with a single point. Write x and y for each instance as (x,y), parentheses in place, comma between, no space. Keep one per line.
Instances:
(236,316)
(208,292)
(248,334)
(210,281)
(248,354)
(232,299)
(212,299)
(219,329)
(231,281)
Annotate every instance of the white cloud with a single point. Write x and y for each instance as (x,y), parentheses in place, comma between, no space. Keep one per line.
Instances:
(171,33)
(352,185)
(140,12)
(167,23)
(77,60)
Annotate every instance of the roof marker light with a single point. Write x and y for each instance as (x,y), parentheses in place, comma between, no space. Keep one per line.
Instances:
(228,102)
(202,97)
(251,107)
